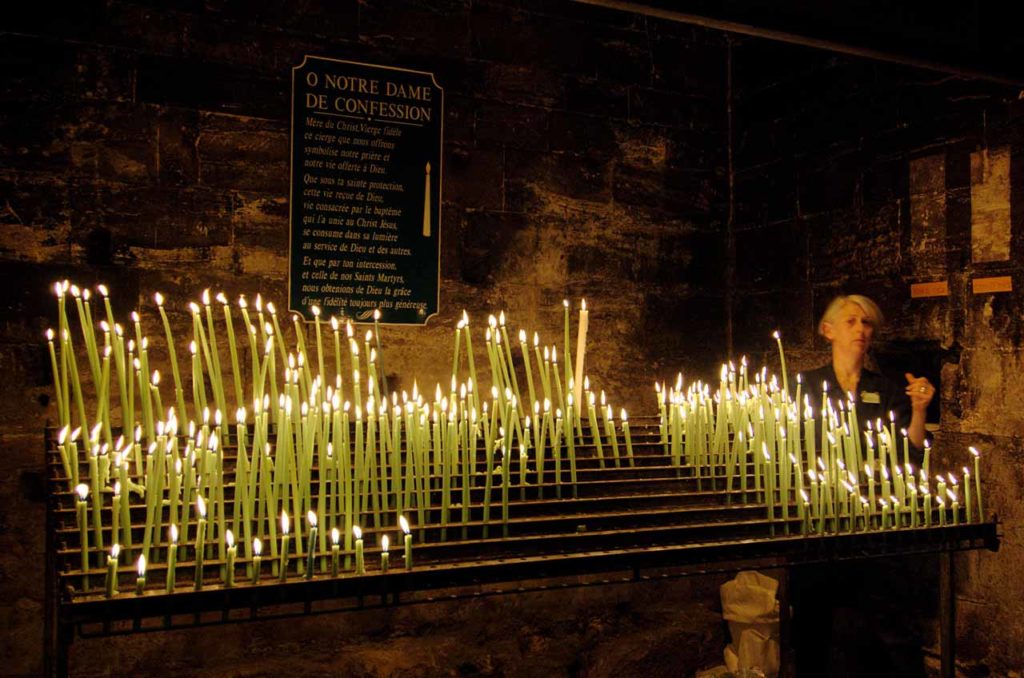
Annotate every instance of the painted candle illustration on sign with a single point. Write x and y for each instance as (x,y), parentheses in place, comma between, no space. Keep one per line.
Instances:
(365,191)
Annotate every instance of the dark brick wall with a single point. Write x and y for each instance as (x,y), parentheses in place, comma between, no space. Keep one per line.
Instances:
(824,147)
(145,145)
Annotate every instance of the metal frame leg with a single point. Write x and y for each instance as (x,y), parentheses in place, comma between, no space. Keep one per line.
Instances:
(947,615)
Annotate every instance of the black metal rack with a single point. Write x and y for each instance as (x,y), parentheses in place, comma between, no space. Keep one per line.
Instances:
(628,524)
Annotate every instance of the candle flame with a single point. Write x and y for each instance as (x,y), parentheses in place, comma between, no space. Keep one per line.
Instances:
(357,532)
(257,546)
(83,491)
(173,530)
(285,523)
(404,524)
(311,518)
(384,543)
(201,506)
(142,566)
(115,551)
(229,538)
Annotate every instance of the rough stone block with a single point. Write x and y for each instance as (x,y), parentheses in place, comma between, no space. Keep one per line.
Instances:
(586,94)
(511,126)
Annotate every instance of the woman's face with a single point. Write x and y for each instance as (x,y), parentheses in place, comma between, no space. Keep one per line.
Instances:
(851,331)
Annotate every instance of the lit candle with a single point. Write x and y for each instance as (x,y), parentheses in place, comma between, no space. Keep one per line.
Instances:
(140,582)
(82,490)
(200,545)
(172,556)
(285,526)
(977,482)
(408,541)
(360,565)
(310,544)
(229,574)
(967,495)
(335,550)
(257,559)
(115,550)
(385,557)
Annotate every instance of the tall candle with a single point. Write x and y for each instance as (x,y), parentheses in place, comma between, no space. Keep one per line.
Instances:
(200,545)
(229,573)
(408,541)
(581,348)
(311,545)
(335,550)
(967,495)
(283,554)
(360,565)
(82,490)
(977,482)
(111,587)
(172,557)
(257,559)
(629,439)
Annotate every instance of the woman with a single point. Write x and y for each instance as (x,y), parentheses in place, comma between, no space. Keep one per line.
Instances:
(834,629)
(849,323)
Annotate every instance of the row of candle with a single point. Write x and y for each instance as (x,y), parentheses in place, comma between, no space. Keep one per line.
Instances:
(254,567)
(756,439)
(311,452)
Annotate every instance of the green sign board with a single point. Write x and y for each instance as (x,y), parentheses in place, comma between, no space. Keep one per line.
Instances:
(365,208)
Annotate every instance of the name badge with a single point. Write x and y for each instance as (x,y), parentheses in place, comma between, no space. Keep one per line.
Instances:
(870,397)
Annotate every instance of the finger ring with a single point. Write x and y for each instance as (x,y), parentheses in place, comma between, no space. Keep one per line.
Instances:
(922,389)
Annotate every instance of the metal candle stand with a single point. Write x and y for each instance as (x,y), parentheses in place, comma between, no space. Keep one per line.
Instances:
(640,520)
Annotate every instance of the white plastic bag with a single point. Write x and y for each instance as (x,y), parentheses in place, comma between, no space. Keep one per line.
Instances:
(750,607)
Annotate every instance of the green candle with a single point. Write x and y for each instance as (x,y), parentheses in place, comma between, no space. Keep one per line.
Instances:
(229,572)
(408,541)
(360,565)
(967,495)
(257,559)
(629,439)
(140,582)
(111,587)
(283,554)
(310,545)
(977,482)
(335,550)
(83,530)
(178,392)
(385,557)
(200,545)
(172,556)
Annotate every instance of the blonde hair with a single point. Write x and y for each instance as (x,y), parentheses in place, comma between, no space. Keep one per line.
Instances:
(869,307)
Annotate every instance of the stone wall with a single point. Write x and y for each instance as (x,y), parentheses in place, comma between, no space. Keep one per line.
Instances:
(858,176)
(144,145)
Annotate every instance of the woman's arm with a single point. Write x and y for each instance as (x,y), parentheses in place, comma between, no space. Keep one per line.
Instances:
(920,391)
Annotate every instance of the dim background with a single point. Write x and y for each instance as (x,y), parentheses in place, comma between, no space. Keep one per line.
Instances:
(700,189)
